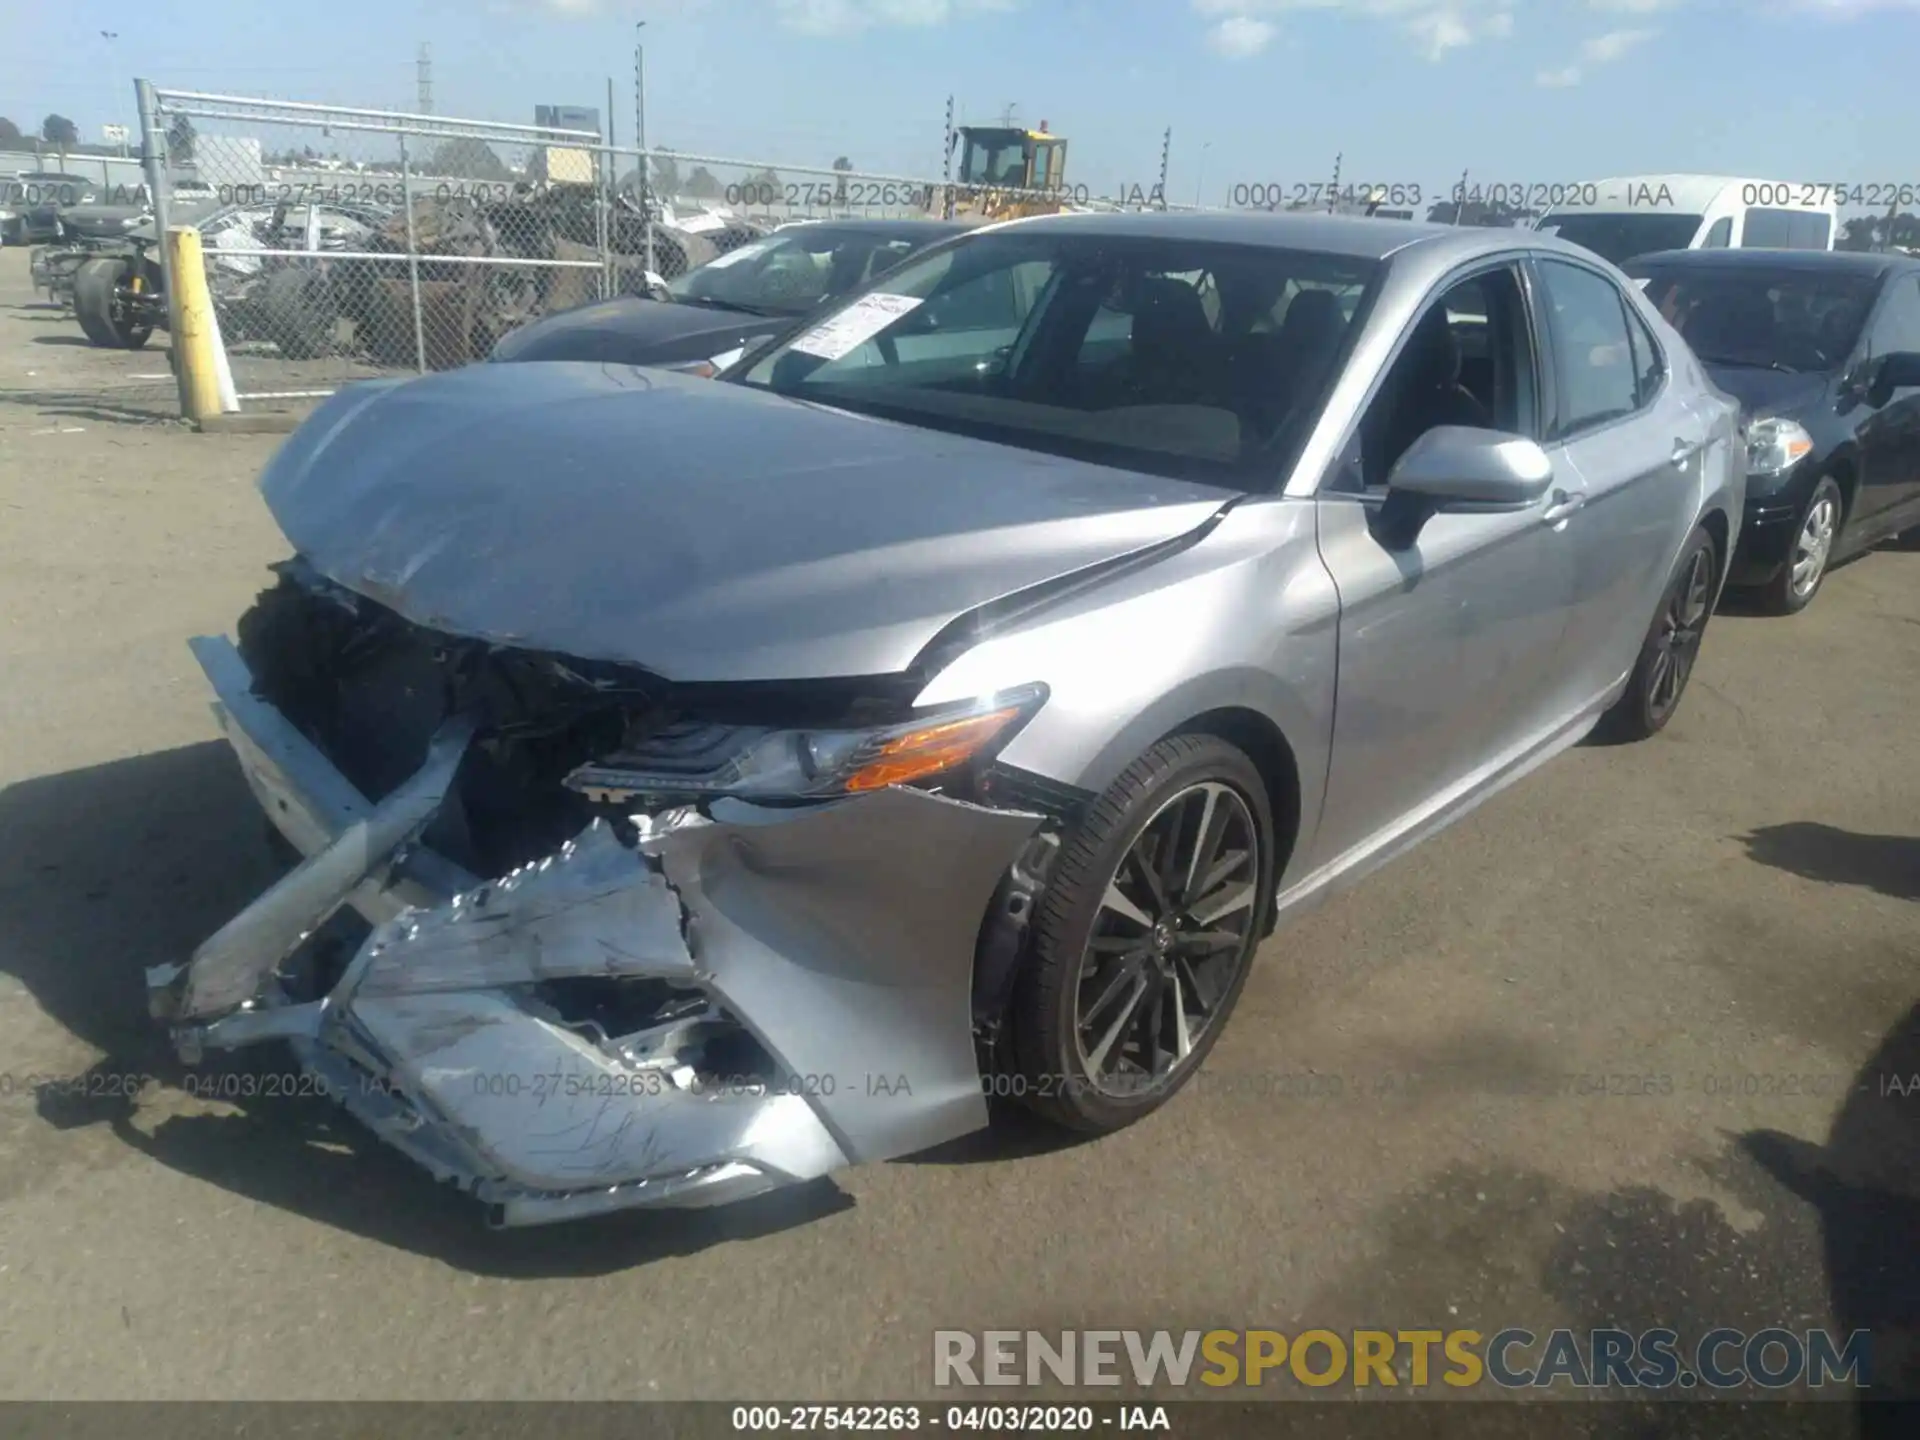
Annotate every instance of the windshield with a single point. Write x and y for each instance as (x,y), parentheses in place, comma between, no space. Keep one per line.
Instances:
(792,271)
(1799,319)
(1200,360)
(1620,237)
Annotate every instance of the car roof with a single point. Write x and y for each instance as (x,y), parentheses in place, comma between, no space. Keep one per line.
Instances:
(1357,237)
(904,227)
(1844,262)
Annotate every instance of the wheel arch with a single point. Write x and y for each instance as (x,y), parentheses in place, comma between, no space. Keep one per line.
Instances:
(1844,470)
(1272,755)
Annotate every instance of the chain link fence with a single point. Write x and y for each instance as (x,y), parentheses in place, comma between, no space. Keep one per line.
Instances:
(343,243)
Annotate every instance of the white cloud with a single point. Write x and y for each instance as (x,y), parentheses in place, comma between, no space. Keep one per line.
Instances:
(1595,50)
(1636,7)
(1239,36)
(1439,26)
(1604,49)
(838,17)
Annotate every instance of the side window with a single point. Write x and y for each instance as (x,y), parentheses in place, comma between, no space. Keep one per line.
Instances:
(1810,231)
(1897,327)
(1467,360)
(1720,237)
(1649,366)
(1593,356)
(1769,230)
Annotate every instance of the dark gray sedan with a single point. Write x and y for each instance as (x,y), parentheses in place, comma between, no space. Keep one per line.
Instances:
(704,319)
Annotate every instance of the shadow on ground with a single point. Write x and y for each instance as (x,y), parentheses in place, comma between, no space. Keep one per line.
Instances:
(1888,864)
(108,870)
(157,405)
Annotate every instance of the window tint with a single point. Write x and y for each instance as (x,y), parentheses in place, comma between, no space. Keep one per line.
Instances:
(1720,236)
(1649,367)
(1593,356)
(1785,230)
(1811,232)
(1128,351)
(997,300)
(1896,329)
(1467,361)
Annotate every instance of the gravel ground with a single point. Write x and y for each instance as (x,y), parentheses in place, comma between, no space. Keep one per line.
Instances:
(1730,906)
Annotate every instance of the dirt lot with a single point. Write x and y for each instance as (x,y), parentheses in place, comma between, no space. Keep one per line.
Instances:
(1731,906)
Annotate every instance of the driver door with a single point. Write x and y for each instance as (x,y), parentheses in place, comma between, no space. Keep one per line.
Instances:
(1450,644)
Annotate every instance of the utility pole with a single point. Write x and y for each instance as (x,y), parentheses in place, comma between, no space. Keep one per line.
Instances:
(1199,183)
(425,69)
(946,202)
(640,105)
(1333,200)
(1166,147)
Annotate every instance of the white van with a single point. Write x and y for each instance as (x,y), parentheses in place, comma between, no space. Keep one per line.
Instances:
(1639,214)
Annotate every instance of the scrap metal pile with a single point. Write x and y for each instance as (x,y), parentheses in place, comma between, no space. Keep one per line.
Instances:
(327,279)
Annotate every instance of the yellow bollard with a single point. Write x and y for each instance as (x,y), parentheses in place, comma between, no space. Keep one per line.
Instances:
(193,332)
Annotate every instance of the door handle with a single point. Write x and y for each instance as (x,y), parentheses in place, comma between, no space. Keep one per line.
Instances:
(1562,505)
(1683,451)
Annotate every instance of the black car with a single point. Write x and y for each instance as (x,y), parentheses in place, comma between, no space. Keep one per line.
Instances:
(1822,348)
(702,319)
(30,204)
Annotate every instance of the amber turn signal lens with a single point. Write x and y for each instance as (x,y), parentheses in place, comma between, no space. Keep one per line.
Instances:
(930,750)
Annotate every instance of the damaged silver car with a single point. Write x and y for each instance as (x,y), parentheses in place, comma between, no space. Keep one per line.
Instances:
(720,783)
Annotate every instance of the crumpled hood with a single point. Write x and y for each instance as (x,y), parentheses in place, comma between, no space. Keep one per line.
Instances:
(700,529)
(633,331)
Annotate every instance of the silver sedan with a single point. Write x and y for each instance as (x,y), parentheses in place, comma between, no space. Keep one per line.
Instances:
(696,787)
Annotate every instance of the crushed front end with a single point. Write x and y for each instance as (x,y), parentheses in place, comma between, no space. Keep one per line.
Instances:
(610,942)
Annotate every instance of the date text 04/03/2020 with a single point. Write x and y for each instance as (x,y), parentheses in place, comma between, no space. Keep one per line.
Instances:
(998,1419)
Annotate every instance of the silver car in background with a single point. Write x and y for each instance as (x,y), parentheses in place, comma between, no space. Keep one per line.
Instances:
(737,780)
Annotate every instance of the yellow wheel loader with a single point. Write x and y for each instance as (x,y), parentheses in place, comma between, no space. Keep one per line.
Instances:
(1008,171)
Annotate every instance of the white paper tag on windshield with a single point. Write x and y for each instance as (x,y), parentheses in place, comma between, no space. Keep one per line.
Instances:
(700,224)
(854,326)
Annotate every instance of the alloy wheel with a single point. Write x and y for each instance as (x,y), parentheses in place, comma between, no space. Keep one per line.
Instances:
(1175,927)
(1677,645)
(1814,544)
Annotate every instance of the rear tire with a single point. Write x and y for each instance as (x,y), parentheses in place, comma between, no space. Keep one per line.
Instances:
(99,304)
(1667,655)
(1145,937)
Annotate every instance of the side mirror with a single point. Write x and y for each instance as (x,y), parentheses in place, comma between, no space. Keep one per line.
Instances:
(1898,371)
(1459,467)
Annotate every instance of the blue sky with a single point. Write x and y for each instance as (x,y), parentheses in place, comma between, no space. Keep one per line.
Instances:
(1527,91)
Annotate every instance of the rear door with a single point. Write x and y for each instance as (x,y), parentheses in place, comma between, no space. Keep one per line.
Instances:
(1639,448)
(1889,436)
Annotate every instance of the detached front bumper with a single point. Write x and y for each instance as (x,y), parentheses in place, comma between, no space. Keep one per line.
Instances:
(837,938)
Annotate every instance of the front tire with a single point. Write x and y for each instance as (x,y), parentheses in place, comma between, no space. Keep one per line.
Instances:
(99,303)
(1667,655)
(1815,530)
(1145,938)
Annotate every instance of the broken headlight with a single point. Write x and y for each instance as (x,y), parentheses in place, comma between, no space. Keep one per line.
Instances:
(687,760)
